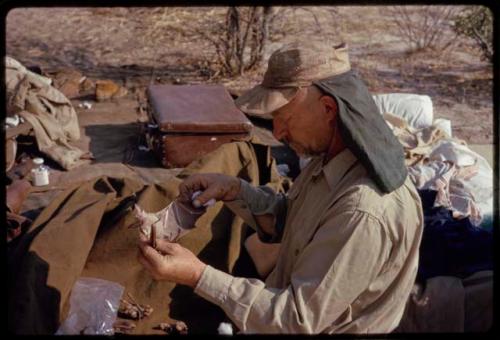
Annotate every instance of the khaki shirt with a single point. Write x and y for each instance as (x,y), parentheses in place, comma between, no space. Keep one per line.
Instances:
(348,258)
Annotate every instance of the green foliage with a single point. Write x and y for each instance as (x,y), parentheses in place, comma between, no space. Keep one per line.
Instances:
(477,24)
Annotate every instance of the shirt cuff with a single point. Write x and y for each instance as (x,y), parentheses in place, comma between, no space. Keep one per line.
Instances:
(214,285)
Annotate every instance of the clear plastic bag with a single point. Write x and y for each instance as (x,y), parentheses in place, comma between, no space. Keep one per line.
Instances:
(93,307)
(172,222)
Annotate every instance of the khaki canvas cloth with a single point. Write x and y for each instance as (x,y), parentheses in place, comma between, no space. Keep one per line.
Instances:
(84,231)
(51,114)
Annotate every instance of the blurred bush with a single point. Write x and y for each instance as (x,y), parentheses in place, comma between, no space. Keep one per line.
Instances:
(425,27)
(240,40)
(477,23)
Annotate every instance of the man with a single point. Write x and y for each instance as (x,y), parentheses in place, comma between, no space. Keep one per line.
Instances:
(350,226)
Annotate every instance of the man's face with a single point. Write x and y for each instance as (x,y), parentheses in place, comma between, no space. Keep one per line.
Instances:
(305,123)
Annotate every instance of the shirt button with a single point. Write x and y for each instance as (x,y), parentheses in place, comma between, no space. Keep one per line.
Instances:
(296,252)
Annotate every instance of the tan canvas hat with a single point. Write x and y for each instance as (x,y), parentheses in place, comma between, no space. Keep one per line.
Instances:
(293,66)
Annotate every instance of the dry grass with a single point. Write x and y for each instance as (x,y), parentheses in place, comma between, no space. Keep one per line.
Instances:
(129,44)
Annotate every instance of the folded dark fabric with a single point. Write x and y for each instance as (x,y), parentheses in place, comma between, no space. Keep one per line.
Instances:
(451,247)
(15,225)
(365,132)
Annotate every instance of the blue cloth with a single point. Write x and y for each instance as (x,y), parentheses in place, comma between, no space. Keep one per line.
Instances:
(449,246)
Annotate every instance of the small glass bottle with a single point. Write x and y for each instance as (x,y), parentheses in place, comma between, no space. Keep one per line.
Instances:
(39,174)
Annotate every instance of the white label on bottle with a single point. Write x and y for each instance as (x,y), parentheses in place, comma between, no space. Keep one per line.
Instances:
(40,177)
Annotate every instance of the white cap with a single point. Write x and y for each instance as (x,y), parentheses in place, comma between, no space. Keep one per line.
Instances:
(38,161)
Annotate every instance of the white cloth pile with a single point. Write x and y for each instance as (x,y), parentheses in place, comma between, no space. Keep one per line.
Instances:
(462,178)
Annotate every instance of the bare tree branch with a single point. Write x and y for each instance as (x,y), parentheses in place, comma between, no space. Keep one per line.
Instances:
(425,27)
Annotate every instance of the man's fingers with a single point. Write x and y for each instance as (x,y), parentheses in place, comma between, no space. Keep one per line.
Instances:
(185,193)
(143,238)
(167,247)
(189,186)
(151,254)
(212,186)
(214,191)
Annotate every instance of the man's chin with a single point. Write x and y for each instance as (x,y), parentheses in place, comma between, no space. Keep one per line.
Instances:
(311,155)
(304,153)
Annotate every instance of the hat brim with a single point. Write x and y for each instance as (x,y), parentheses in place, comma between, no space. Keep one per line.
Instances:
(260,101)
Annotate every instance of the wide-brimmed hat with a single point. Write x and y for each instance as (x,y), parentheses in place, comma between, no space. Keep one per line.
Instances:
(292,66)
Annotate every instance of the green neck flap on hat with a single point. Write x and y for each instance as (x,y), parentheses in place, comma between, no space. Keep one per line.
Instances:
(365,132)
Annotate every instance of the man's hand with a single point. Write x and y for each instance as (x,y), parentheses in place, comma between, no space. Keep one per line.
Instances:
(170,262)
(216,186)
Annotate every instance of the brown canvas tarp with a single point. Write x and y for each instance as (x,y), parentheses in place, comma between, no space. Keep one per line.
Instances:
(84,231)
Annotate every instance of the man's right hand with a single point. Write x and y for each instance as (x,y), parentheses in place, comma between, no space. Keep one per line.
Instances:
(217,186)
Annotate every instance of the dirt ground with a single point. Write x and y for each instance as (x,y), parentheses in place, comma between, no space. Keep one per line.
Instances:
(136,46)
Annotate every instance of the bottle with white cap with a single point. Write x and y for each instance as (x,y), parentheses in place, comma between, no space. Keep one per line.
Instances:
(39,174)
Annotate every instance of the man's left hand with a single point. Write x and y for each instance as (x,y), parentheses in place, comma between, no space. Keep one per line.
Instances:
(171,262)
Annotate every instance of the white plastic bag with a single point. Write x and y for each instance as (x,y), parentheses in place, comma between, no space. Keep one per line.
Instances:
(416,109)
(93,307)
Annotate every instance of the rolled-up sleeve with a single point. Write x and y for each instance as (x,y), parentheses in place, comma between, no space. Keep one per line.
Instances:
(260,201)
(330,272)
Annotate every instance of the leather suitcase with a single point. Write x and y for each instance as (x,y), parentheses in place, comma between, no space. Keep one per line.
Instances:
(189,121)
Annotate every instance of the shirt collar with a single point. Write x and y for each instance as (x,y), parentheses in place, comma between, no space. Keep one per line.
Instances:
(336,167)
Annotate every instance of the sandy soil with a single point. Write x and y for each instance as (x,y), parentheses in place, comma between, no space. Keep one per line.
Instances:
(135,46)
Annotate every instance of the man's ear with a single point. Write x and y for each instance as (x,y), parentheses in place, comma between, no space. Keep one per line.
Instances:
(330,105)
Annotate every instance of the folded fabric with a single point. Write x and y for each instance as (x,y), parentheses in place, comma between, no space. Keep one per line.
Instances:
(447,180)
(51,114)
(463,178)
(86,230)
(417,143)
(15,225)
(449,246)
(479,183)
